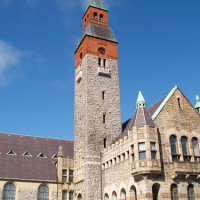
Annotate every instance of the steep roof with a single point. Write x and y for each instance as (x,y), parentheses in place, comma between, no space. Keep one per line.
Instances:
(30,166)
(97,31)
(97,4)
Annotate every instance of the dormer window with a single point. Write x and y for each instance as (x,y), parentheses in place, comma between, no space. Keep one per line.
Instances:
(27,154)
(101,18)
(55,156)
(41,155)
(11,152)
(95,16)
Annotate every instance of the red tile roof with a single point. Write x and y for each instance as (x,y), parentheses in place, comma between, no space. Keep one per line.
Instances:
(31,168)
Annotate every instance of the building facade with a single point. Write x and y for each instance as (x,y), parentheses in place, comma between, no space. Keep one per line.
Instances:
(154,155)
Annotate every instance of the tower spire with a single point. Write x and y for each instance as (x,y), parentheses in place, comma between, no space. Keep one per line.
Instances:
(97,4)
(197,106)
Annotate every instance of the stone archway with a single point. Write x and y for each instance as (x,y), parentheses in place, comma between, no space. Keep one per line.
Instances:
(133,193)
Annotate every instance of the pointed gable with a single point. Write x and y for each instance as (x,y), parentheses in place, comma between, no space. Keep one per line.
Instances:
(176,112)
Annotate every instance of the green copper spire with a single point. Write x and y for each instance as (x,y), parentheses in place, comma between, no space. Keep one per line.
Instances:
(197,106)
(140,100)
(97,4)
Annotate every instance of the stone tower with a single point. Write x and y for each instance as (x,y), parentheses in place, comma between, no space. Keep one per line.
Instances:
(97,99)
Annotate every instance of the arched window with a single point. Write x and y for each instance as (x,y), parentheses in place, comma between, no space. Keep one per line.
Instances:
(114,196)
(184,143)
(123,194)
(95,16)
(155,191)
(195,147)
(79,197)
(191,195)
(174,192)
(106,197)
(133,193)
(101,18)
(9,191)
(64,195)
(43,193)
(174,147)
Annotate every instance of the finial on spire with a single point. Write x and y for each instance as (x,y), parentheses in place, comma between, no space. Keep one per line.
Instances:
(197,106)
(140,100)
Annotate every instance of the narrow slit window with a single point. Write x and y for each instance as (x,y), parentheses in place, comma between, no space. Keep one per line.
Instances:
(104,62)
(103,95)
(99,61)
(104,143)
(179,102)
(104,119)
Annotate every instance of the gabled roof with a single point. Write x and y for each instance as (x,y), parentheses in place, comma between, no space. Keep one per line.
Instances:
(97,4)
(97,31)
(31,167)
(161,106)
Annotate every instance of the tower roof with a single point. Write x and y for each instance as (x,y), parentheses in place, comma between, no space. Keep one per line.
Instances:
(98,31)
(140,100)
(197,102)
(97,4)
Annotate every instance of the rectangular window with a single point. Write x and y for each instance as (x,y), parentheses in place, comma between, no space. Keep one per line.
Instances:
(70,195)
(104,143)
(64,177)
(153,146)
(153,155)
(142,152)
(64,195)
(142,155)
(71,176)
(141,146)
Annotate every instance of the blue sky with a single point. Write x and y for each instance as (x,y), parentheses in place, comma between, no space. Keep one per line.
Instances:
(159,47)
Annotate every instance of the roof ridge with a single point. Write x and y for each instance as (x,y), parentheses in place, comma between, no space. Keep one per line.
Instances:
(164,102)
(17,134)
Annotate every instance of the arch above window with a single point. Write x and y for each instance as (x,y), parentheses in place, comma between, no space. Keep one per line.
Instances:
(195,146)
(95,16)
(101,18)
(123,194)
(114,195)
(106,197)
(9,191)
(174,192)
(133,192)
(191,195)
(174,148)
(43,192)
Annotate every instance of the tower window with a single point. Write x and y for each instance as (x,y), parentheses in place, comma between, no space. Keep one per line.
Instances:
(101,18)
(102,51)
(99,61)
(104,142)
(95,16)
(104,62)
(104,119)
(103,95)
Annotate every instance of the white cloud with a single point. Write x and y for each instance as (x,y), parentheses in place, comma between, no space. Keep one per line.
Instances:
(9,57)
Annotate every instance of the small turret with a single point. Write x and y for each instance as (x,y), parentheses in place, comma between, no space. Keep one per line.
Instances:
(141,101)
(197,106)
